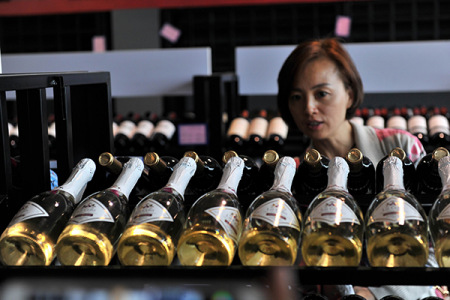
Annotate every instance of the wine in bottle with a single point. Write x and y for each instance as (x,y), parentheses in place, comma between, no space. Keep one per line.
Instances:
(277,132)
(162,135)
(333,224)
(417,126)
(31,236)
(439,131)
(361,178)
(152,232)
(257,133)
(428,178)
(237,134)
(409,171)
(214,223)
(206,177)
(439,217)
(272,223)
(311,177)
(396,224)
(124,135)
(140,142)
(95,226)
(266,173)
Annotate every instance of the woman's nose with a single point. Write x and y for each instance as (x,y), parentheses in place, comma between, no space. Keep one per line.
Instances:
(311,106)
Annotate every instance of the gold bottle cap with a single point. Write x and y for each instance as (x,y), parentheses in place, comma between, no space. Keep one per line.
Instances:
(354,156)
(399,152)
(439,153)
(192,154)
(312,157)
(151,158)
(107,160)
(270,157)
(227,155)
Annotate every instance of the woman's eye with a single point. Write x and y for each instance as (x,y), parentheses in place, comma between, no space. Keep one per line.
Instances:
(295,97)
(321,94)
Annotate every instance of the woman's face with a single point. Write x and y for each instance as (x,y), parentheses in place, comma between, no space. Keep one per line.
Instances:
(319,100)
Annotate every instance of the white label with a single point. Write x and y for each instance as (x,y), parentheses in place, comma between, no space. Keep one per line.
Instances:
(394,209)
(91,210)
(150,211)
(29,210)
(229,218)
(438,123)
(258,126)
(165,127)
(277,213)
(239,126)
(333,211)
(417,124)
(397,122)
(145,128)
(278,126)
(445,214)
(127,128)
(376,122)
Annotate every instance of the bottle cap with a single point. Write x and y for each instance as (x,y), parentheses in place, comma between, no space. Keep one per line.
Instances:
(106,159)
(227,155)
(398,152)
(312,156)
(439,153)
(354,156)
(270,157)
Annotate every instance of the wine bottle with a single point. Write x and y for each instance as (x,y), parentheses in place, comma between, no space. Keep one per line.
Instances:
(91,234)
(214,223)
(124,135)
(409,171)
(428,178)
(439,216)
(207,175)
(333,224)
(266,173)
(257,132)
(277,132)
(439,131)
(272,223)
(162,135)
(396,224)
(30,237)
(14,139)
(397,122)
(417,126)
(152,232)
(140,142)
(237,134)
(248,185)
(160,168)
(311,177)
(52,137)
(361,178)
(376,121)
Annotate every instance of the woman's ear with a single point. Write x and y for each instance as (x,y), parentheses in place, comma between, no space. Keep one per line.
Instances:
(351,97)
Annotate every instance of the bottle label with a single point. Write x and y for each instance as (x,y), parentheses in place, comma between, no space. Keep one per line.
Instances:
(165,127)
(229,218)
(150,211)
(278,126)
(239,126)
(28,211)
(394,209)
(145,128)
(258,126)
(277,213)
(445,214)
(333,211)
(127,128)
(91,210)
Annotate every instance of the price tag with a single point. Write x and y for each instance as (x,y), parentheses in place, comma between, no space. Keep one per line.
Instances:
(192,134)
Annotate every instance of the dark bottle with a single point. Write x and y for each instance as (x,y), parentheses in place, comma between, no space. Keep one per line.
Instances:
(439,131)
(311,177)
(248,185)
(409,171)
(162,135)
(392,297)
(14,139)
(206,177)
(112,165)
(158,171)
(237,134)
(277,132)
(140,142)
(257,133)
(266,173)
(417,126)
(353,297)
(361,178)
(428,179)
(52,137)
(125,132)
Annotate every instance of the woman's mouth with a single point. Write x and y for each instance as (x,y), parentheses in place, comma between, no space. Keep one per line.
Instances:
(314,125)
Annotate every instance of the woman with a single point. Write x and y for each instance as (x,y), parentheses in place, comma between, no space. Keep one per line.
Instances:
(319,89)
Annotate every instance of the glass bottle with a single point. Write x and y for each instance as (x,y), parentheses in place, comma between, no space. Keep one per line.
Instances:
(266,173)
(237,133)
(152,232)
(277,133)
(311,177)
(159,170)
(417,126)
(272,224)
(409,171)
(396,224)
(30,237)
(333,224)
(257,133)
(439,131)
(214,223)
(428,178)
(124,134)
(162,135)
(140,142)
(361,178)
(439,216)
(95,226)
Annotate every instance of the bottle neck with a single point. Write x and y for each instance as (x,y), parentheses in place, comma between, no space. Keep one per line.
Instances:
(284,174)
(444,172)
(76,184)
(232,174)
(338,170)
(182,173)
(393,173)
(131,172)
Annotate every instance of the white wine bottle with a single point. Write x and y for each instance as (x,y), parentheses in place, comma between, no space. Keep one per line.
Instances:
(439,217)
(333,225)
(95,226)
(396,224)
(152,232)
(214,222)
(272,223)
(31,236)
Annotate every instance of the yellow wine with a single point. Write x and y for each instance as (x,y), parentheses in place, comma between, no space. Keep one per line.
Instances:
(442,252)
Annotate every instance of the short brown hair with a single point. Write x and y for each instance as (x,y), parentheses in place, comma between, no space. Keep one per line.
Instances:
(308,51)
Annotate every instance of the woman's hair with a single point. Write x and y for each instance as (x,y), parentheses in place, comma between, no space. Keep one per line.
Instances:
(306,52)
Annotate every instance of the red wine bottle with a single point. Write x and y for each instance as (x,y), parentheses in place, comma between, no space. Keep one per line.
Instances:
(361,178)
(428,179)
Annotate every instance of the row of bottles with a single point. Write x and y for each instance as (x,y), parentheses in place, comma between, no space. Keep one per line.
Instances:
(270,231)
(429,125)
